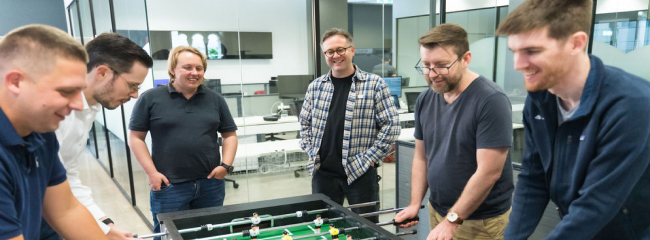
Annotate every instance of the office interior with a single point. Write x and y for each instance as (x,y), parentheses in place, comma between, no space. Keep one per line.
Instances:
(263,54)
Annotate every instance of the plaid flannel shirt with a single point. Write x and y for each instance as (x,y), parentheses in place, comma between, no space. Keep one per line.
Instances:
(371,122)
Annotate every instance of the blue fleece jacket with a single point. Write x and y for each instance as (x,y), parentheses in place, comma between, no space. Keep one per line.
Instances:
(594,166)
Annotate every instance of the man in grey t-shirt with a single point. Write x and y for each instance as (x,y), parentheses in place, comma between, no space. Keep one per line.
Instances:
(463,131)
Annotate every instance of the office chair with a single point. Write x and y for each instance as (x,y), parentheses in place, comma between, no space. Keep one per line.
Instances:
(411,98)
(234,183)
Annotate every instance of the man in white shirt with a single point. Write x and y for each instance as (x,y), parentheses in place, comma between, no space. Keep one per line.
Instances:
(116,68)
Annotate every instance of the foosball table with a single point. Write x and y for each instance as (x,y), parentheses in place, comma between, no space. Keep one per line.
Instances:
(303,217)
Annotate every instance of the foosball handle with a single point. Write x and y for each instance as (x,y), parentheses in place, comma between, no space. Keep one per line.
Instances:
(416,218)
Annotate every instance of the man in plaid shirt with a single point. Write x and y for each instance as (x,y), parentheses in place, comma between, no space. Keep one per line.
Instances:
(348,125)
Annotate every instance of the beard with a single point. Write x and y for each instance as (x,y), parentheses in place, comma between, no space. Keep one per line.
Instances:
(551,78)
(451,82)
(103,96)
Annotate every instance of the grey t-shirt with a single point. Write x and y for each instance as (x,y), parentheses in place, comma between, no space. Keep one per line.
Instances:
(183,132)
(481,117)
(563,115)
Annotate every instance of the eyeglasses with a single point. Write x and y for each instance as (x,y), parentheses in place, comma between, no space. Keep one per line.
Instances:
(133,87)
(437,70)
(340,51)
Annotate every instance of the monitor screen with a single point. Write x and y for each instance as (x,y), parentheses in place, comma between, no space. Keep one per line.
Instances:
(293,86)
(394,85)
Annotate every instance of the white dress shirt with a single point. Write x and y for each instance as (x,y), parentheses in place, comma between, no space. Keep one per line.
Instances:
(73,135)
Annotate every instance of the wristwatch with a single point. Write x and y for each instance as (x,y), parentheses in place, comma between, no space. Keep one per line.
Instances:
(228,167)
(107,221)
(453,217)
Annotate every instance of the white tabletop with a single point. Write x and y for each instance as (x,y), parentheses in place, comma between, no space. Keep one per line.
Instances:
(256,124)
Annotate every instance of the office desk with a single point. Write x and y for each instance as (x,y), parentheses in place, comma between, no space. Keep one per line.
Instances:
(256,124)
(248,154)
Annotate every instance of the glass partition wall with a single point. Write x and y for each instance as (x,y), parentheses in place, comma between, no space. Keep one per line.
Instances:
(262,55)
(621,36)
(261,51)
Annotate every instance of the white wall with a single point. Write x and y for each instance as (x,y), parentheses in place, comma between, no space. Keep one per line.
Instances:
(462,5)
(286,20)
(611,6)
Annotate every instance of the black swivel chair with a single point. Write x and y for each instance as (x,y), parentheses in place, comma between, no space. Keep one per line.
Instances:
(411,98)
(234,183)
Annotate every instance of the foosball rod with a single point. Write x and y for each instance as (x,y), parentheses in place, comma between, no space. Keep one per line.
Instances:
(324,233)
(239,234)
(412,232)
(198,229)
(384,212)
(397,234)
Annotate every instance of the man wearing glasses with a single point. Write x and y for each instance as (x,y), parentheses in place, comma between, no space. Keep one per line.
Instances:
(116,68)
(463,131)
(348,125)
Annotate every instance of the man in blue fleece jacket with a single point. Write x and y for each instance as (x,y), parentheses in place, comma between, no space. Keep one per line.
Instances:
(587,129)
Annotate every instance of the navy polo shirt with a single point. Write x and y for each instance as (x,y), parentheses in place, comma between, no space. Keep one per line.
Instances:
(183,131)
(27,167)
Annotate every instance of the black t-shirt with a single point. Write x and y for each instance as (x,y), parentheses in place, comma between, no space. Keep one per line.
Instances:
(331,147)
(480,118)
(183,132)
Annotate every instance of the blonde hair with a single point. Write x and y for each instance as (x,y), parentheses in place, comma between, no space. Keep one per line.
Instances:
(173,60)
(35,48)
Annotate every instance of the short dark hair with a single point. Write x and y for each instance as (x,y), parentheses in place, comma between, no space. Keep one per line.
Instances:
(336,31)
(116,51)
(447,34)
(34,48)
(563,17)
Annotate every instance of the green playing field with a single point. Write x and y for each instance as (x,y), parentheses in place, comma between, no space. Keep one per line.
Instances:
(293,232)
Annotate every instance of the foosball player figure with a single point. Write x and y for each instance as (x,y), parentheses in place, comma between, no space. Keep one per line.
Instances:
(334,232)
(255,230)
(255,219)
(285,235)
(348,237)
(318,222)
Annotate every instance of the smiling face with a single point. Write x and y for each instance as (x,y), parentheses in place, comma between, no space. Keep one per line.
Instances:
(442,57)
(341,65)
(188,72)
(44,100)
(544,61)
(119,89)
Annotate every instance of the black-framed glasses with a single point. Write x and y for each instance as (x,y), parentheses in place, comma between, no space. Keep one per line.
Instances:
(340,51)
(133,87)
(437,70)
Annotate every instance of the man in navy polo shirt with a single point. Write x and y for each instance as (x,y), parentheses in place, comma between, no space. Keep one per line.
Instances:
(42,73)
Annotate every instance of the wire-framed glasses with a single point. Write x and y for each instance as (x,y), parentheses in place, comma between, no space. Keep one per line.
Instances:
(437,70)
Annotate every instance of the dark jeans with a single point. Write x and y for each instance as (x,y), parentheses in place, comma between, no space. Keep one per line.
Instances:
(364,189)
(196,194)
